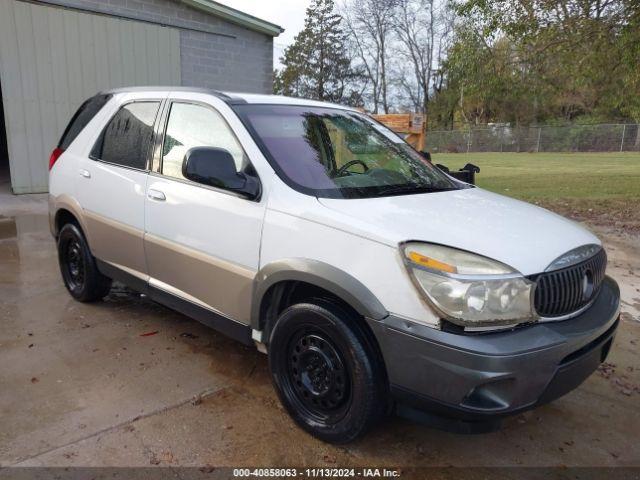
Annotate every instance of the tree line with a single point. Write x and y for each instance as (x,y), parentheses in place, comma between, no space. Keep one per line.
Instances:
(471,62)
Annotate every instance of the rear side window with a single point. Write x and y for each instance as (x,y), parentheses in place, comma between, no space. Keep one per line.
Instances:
(127,137)
(81,118)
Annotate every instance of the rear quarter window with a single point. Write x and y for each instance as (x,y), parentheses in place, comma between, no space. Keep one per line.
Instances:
(127,137)
(81,118)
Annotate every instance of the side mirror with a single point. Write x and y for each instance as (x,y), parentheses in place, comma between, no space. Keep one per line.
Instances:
(217,168)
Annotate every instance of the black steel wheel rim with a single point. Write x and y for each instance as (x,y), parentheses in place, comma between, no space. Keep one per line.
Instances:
(319,382)
(74,264)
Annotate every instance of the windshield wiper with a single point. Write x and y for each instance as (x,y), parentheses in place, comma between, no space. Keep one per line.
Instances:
(410,189)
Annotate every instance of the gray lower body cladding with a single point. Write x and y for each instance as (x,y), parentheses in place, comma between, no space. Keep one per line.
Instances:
(485,376)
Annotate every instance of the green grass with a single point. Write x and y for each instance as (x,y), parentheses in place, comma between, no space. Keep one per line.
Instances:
(555,176)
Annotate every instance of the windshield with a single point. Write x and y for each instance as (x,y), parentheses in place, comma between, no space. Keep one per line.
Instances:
(335,153)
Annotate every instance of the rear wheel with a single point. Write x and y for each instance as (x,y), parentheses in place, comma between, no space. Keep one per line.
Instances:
(327,375)
(78,267)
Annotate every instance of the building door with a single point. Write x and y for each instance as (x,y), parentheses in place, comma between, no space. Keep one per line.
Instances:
(4,153)
(52,59)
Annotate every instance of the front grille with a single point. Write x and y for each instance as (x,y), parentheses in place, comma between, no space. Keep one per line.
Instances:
(567,290)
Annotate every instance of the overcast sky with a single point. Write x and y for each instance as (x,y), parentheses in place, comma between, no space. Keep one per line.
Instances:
(289,14)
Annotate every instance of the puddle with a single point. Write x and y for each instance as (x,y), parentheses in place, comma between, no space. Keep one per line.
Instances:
(8,227)
(9,251)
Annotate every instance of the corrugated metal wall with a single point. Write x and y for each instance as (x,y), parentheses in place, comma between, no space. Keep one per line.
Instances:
(52,59)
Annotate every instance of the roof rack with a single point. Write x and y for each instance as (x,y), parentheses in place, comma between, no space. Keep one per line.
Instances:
(232,100)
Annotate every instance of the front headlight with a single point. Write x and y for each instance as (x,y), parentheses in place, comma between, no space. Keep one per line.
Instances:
(469,289)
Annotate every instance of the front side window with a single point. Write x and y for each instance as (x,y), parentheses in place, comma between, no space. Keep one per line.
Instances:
(192,125)
(128,135)
(336,153)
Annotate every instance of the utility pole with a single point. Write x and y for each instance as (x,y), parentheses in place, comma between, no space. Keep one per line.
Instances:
(538,143)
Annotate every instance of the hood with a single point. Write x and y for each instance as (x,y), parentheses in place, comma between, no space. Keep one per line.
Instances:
(521,235)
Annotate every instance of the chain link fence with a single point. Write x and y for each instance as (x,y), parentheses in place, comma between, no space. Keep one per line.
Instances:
(571,138)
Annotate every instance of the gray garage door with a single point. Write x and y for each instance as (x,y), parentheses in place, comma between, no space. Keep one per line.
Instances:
(51,59)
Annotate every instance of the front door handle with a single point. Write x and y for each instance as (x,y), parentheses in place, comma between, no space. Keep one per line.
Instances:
(156,195)
(85,173)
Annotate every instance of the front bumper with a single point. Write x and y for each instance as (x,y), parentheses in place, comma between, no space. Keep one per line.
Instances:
(484,376)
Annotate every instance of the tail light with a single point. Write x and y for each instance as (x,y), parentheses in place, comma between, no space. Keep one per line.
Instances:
(54,156)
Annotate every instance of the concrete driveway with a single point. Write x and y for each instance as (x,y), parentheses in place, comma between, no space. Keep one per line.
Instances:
(126,382)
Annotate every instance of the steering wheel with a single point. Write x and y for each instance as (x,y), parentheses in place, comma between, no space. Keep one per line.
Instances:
(343,169)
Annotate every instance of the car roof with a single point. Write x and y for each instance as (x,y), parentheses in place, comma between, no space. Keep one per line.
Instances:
(234,98)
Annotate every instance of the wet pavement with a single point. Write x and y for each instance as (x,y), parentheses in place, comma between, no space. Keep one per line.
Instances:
(126,382)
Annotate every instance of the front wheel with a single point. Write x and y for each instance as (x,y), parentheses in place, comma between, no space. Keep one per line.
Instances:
(78,266)
(327,374)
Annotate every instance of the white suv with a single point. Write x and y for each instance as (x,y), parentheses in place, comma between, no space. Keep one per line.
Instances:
(372,279)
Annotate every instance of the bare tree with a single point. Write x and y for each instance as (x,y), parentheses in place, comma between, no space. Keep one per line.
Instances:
(422,28)
(370,25)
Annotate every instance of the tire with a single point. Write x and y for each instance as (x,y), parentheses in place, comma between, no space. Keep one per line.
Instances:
(328,376)
(79,271)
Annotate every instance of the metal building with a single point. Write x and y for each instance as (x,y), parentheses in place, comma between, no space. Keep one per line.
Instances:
(56,53)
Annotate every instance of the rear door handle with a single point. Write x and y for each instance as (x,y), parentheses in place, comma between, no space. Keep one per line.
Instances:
(156,195)
(85,173)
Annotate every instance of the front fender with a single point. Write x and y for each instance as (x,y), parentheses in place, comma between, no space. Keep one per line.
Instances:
(320,274)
